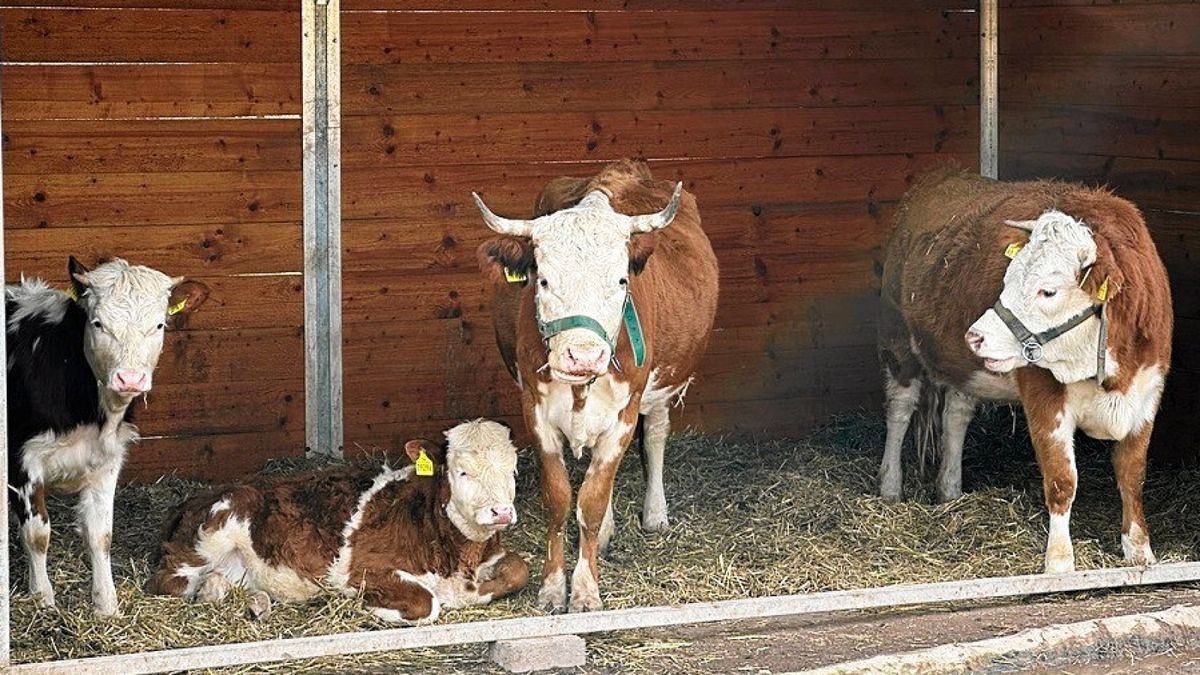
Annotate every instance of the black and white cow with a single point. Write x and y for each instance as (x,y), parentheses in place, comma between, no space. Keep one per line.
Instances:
(76,361)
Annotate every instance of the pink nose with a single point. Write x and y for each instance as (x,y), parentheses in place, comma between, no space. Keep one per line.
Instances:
(590,359)
(974,340)
(502,515)
(129,381)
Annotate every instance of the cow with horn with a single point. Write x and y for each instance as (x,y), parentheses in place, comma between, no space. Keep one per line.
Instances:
(602,304)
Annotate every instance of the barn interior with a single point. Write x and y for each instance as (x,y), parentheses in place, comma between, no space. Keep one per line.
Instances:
(169,132)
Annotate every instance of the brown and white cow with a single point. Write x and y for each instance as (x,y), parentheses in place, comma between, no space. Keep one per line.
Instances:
(606,257)
(1064,305)
(411,541)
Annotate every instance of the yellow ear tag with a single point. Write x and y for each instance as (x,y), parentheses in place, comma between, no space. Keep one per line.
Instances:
(71,292)
(177,307)
(515,277)
(1102,292)
(1013,249)
(424,464)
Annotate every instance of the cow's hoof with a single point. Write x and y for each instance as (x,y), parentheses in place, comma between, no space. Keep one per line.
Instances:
(104,603)
(892,497)
(214,588)
(1060,565)
(1135,544)
(258,607)
(585,593)
(1141,556)
(949,495)
(655,522)
(552,596)
(107,611)
(586,602)
(44,600)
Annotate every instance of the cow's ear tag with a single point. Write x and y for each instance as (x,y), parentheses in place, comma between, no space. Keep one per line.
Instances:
(177,307)
(71,293)
(1102,292)
(515,277)
(1013,249)
(424,464)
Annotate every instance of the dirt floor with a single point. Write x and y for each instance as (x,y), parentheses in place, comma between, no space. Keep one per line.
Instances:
(748,519)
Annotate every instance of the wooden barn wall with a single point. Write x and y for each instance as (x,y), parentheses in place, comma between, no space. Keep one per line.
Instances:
(797,125)
(1109,94)
(168,132)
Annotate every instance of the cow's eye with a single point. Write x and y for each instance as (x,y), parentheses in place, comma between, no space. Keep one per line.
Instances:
(161,326)
(96,324)
(624,281)
(543,283)
(462,474)
(1047,293)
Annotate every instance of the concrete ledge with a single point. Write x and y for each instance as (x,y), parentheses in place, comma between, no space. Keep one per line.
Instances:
(1169,627)
(545,653)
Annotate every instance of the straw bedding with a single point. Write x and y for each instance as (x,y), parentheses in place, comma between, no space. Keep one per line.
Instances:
(748,519)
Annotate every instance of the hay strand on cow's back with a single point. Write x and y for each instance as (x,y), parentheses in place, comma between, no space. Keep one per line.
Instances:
(748,519)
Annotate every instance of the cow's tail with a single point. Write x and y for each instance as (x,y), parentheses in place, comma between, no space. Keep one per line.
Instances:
(927,433)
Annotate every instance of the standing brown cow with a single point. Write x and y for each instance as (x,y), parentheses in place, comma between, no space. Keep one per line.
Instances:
(601,316)
(1045,292)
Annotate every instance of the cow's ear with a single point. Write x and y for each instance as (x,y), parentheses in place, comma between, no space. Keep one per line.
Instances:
(186,297)
(505,259)
(1104,279)
(432,450)
(641,247)
(79,276)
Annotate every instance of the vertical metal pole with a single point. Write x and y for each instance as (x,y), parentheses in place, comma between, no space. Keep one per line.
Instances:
(5,617)
(989,94)
(322,227)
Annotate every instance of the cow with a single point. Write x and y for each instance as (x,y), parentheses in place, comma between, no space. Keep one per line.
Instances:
(1048,293)
(409,541)
(602,307)
(77,359)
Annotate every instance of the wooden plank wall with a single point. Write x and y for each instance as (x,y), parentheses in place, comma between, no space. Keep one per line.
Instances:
(797,125)
(1109,93)
(168,132)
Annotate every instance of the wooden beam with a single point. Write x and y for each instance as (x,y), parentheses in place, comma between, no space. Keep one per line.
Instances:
(217,656)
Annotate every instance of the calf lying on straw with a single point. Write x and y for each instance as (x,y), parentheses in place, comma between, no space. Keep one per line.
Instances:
(411,540)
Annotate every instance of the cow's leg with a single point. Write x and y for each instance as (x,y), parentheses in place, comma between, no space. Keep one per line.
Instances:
(95,515)
(35,536)
(1129,464)
(654,444)
(902,401)
(1052,429)
(508,575)
(399,597)
(556,499)
(607,528)
(957,412)
(595,496)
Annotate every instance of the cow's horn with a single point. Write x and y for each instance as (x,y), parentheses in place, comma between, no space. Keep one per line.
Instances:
(516,228)
(656,221)
(1026,225)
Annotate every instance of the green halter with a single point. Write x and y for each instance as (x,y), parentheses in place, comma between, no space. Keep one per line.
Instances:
(633,328)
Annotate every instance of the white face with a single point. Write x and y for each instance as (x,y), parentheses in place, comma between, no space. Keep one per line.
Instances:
(582,256)
(481,464)
(1042,289)
(127,313)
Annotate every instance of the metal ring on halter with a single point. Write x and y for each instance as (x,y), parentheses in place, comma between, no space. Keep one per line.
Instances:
(1032,351)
